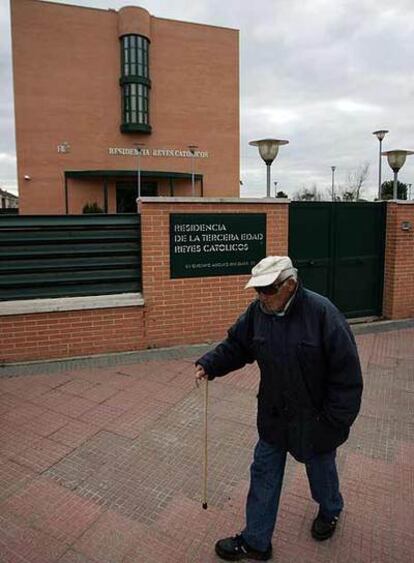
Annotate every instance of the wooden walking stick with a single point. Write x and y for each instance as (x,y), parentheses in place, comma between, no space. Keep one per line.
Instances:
(205,444)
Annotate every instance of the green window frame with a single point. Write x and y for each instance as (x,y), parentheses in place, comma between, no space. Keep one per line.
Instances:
(135,84)
(135,98)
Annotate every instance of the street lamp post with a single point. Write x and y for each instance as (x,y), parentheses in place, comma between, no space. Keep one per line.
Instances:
(138,147)
(380,134)
(333,168)
(396,159)
(268,149)
(192,150)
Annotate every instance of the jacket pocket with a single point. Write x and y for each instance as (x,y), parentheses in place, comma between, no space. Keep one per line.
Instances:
(324,437)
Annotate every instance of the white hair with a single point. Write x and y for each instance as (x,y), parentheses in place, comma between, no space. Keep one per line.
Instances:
(288,273)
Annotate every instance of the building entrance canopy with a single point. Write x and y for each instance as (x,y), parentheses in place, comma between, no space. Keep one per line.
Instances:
(125,175)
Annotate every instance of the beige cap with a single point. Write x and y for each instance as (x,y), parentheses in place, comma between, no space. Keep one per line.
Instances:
(271,268)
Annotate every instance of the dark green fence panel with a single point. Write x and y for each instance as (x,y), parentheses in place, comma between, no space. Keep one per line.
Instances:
(69,255)
(310,244)
(339,251)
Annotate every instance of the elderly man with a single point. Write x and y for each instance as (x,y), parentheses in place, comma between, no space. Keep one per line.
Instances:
(309,396)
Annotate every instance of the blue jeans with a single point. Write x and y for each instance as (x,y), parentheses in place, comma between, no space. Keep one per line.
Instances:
(267,472)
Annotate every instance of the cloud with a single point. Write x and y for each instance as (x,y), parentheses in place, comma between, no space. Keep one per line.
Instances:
(319,73)
(347,105)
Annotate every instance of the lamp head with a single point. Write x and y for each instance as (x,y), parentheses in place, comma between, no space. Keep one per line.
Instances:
(380,134)
(396,158)
(268,148)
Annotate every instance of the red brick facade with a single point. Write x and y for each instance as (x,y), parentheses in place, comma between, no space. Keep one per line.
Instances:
(39,336)
(66,72)
(185,311)
(399,262)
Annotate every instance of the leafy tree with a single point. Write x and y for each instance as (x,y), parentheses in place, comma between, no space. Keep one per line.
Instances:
(92,208)
(387,190)
(281,194)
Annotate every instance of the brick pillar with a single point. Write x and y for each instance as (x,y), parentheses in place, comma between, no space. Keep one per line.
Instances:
(399,262)
(194,310)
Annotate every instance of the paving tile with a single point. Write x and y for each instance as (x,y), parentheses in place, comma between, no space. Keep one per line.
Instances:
(162,372)
(8,402)
(184,379)
(74,407)
(102,414)
(20,543)
(47,423)
(11,384)
(155,547)
(72,556)
(14,438)
(74,433)
(130,487)
(137,418)
(31,390)
(246,378)
(52,380)
(146,387)
(22,414)
(100,392)
(110,538)
(13,477)
(111,376)
(123,399)
(53,509)
(170,394)
(76,387)
(41,454)
(191,527)
(92,455)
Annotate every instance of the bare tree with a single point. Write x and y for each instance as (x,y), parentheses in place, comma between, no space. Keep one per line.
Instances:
(307,194)
(355,183)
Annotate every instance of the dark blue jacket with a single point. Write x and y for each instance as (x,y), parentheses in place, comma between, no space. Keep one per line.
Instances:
(311,383)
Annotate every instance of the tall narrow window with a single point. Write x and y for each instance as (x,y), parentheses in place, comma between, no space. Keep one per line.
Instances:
(135,84)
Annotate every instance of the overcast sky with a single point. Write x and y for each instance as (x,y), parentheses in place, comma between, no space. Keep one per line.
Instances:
(323,74)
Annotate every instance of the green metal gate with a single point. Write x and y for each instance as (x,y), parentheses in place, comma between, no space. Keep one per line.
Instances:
(339,251)
(45,256)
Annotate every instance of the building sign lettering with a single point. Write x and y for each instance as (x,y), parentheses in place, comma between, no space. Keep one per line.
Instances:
(216,244)
(126,151)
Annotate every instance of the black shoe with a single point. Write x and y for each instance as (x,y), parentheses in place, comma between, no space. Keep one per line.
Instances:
(323,528)
(236,549)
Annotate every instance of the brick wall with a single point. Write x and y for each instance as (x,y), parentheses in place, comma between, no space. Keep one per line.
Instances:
(191,310)
(399,262)
(176,311)
(194,310)
(39,336)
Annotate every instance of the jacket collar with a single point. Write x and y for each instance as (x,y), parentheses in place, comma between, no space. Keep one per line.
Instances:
(297,296)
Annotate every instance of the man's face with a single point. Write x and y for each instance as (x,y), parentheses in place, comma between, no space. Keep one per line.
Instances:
(275,296)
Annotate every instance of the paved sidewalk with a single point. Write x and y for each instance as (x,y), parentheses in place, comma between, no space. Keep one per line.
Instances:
(104,465)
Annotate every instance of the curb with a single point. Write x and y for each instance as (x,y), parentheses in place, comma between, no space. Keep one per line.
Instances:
(190,352)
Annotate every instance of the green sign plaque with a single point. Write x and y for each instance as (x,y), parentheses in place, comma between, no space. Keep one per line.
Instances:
(216,244)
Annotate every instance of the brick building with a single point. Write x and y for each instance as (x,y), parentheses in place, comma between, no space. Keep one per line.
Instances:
(101,94)
(8,200)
